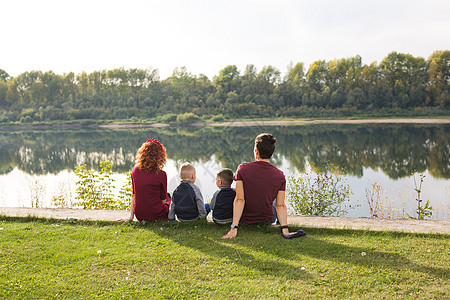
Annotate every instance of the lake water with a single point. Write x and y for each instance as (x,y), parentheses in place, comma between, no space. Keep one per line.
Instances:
(36,165)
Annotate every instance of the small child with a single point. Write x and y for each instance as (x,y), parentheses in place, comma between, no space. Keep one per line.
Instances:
(187,200)
(222,200)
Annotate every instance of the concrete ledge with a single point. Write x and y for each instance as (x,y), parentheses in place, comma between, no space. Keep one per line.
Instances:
(66,213)
(407,225)
(404,225)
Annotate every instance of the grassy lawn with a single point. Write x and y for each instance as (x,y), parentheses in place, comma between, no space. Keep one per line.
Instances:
(87,260)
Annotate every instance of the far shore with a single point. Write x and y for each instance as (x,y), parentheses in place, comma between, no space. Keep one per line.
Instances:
(358,121)
(242,123)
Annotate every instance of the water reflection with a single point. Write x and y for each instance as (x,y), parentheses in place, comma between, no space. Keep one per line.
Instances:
(396,150)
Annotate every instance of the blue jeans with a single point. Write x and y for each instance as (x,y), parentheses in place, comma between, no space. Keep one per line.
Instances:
(274,204)
(208,208)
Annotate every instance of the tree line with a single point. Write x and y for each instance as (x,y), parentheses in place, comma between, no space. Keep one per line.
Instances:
(400,82)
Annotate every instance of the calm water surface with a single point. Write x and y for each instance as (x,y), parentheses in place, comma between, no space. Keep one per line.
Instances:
(36,165)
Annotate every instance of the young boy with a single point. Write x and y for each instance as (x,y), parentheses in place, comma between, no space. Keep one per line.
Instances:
(222,200)
(187,200)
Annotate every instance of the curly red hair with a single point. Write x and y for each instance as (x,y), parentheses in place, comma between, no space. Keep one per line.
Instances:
(151,156)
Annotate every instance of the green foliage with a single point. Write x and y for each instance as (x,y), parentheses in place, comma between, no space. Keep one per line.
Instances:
(187,118)
(401,83)
(423,211)
(168,118)
(319,194)
(125,194)
(60,201)
(95,189)
(218,118)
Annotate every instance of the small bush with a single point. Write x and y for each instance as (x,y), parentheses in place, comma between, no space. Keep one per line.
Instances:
(95,189)
(188,118)
(169,118)
(321,194)
(218,118)
(26,119)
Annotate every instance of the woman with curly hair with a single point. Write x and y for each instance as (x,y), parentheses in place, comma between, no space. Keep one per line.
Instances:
(150,200)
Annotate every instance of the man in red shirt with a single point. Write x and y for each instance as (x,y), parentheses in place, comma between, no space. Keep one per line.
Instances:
(258,183)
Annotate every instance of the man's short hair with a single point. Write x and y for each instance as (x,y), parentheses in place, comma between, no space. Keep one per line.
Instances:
(186,171)
(265,143)
(226,175)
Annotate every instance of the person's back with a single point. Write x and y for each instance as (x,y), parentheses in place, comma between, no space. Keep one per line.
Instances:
(223,209)
(262,182)
(258,185)
(148,194)
(149,199)
(187,200)
(184,200)
(222,200)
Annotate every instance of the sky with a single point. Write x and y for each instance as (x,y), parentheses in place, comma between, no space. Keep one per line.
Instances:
(207,35)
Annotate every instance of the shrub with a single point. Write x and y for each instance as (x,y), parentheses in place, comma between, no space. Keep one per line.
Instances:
(125,194)
(218,118)
(26,119)
(95,189)
(169,118)
(320,194)
(188,118)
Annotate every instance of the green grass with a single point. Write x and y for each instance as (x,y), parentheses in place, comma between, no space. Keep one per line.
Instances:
(42,258)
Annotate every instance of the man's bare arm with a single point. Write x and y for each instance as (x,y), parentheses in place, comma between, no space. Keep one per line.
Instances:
(238,208)
(282,211)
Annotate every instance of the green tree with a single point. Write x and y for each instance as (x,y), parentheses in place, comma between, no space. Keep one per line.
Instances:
(403,72)
(295,74)
(316,75)
(4,76)
(228,79)
(439,78)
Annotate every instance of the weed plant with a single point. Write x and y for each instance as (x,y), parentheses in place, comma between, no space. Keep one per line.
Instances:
(423,211)
(45,258)
(381,206)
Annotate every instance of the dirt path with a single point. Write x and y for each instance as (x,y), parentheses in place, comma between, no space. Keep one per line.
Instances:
(416,226)
(444,120)
(361,121)
(298,122)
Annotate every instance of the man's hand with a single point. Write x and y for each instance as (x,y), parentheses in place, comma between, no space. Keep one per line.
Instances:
(231,234)
(290,235)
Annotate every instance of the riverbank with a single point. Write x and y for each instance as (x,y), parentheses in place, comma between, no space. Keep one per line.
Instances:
(312,122)
(406,225)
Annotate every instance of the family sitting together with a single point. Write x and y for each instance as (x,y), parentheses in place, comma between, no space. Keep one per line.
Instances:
(258,198)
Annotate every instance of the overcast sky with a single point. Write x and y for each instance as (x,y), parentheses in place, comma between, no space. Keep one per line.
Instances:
(205,36)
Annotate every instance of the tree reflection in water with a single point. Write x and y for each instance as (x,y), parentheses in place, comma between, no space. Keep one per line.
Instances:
(397,150)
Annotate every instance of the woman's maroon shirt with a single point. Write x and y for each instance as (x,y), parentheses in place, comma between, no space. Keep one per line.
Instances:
(149,190)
